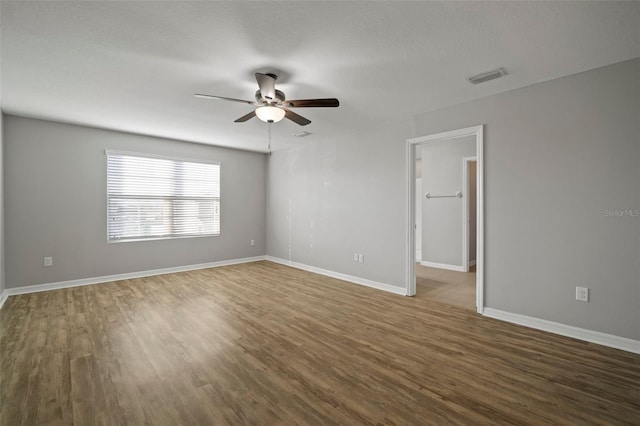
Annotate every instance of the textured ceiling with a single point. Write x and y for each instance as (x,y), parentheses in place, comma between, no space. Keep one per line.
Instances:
(133,66)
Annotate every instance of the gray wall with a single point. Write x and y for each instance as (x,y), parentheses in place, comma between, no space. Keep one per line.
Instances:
(330,198)
(2,282)
(442,217)
(55,199)
(558,155)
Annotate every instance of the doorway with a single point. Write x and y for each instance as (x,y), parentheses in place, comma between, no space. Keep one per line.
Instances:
(466,261)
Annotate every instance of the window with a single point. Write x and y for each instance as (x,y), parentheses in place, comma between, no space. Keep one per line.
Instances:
(155,197)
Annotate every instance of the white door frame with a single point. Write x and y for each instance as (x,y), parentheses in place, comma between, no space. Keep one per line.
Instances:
(465,211)
(410,274)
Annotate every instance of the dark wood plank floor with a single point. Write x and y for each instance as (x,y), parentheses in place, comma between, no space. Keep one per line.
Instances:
(263,344)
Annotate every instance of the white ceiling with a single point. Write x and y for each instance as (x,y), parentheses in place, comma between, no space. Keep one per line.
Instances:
(133,66)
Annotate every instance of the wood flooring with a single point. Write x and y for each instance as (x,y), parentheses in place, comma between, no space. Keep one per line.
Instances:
(450,287)
(264,344)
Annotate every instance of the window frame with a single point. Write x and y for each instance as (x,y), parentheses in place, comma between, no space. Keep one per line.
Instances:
(108,152)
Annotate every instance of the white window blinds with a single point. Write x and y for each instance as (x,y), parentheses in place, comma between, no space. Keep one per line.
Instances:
(155,197)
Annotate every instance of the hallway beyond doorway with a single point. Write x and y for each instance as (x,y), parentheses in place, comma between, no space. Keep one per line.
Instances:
(449,287)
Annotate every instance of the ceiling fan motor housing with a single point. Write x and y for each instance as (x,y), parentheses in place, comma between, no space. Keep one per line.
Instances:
(279,97)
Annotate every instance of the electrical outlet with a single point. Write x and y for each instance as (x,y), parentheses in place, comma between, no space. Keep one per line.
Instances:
(48,261)
(582,294)
(355,257)
(361,258)
(253,243)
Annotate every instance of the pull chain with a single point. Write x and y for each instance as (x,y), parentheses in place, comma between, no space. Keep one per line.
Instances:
(269,130)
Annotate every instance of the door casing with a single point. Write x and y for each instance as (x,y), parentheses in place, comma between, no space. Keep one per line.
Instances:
(410,159)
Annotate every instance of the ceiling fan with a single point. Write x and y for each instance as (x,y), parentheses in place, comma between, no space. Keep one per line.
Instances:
(272,106)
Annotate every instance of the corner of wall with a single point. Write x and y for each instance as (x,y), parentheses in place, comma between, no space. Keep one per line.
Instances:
(3,295)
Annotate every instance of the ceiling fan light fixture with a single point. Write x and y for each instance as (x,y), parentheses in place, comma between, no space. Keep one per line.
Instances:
(270,114)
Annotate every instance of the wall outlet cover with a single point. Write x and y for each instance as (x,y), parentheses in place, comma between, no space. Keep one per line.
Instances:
(582,294)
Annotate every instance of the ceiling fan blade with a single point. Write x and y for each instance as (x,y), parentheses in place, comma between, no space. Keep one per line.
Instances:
(312,103)
(199,95)
(245,117)
(267,85)
(296,117)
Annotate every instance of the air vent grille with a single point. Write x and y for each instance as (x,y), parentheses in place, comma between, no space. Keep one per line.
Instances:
(486,76)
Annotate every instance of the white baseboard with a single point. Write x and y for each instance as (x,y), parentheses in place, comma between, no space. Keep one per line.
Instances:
(3,297)
(350,278)
(604,339)
(129,275)
(472,262)
(443,266)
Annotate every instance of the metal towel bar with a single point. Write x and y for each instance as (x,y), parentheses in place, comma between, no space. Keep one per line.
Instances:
(457,195)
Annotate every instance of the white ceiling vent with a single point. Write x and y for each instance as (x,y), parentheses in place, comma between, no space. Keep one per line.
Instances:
(486,76)
(302,134)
